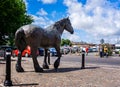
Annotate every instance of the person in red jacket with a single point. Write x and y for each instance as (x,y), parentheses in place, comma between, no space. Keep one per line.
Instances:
(86,50)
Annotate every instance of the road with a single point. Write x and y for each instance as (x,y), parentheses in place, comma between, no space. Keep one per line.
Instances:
(92,59)
(112,61)
(69,75)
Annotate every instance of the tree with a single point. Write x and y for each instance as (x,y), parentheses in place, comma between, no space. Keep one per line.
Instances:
(12,16)
(102,41)
(65,42)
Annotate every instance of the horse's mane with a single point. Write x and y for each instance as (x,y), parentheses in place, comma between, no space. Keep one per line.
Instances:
(57,25)
(60,22)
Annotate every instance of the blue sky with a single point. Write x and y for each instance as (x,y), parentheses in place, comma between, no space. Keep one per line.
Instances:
(92,20)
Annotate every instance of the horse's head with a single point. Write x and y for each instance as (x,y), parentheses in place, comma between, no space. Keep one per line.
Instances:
(67,25)
(64,24)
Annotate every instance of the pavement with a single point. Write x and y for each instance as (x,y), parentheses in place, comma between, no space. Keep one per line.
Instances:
(70,75)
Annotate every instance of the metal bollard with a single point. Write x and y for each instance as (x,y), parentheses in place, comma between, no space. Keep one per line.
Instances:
(8,81)
(83,60)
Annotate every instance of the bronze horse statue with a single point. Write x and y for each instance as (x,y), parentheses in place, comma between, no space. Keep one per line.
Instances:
(35,37)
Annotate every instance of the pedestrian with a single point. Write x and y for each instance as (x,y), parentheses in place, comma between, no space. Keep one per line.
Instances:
(119,52)
(106,51)
(101,52)
(86,50)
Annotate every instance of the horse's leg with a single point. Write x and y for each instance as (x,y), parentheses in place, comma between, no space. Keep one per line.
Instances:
(18,65)
(57,62)
(34,58)
(49,57)
(45,65)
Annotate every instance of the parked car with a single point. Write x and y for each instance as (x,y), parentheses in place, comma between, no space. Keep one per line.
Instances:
(2,53)
(53,52)
(90,50)
(64,50)
(25,53)
(41,51)
(3,50)
(94,49)
(75,49)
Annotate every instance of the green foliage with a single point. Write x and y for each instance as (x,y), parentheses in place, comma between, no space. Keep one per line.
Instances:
(66,42)
(12,16)
(102,41)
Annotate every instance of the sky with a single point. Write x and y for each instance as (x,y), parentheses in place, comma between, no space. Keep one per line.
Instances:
(92,20)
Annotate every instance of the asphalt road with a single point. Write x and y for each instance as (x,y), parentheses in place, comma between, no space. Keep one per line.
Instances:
(90,59)
(93,59)
(68,75)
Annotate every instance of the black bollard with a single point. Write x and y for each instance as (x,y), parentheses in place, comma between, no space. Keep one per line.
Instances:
(83,60)
(8,81)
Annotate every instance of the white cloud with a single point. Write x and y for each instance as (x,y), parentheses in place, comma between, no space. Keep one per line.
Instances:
(41,21)
(54,14)
(42,12)
(73,37)
(48,1)
(97,17)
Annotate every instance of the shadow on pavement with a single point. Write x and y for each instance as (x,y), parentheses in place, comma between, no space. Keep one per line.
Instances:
(68,69)
(91,67)
(60,70)
(29,85)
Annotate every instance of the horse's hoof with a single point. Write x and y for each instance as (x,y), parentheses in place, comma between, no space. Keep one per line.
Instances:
(19,68)
(45,66)
(56,64)
(56,70)
(49,63)
(39,70)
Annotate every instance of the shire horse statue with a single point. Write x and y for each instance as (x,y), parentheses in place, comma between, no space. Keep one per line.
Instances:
(35,37)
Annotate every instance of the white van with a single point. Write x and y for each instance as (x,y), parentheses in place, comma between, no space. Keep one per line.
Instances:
(117,48)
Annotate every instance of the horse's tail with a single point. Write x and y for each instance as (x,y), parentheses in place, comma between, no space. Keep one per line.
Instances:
(20,41)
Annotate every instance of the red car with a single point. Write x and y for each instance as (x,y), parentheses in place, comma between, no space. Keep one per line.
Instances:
(26,52)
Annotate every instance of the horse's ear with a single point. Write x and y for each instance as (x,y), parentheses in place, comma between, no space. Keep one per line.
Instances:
(68,17)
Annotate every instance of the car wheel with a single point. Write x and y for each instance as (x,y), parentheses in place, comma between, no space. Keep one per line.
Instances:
(26,54)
